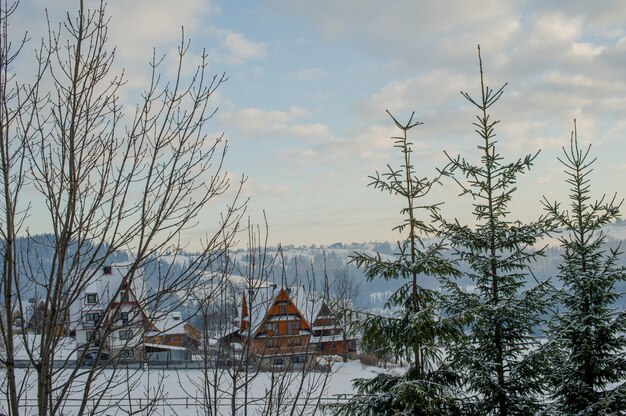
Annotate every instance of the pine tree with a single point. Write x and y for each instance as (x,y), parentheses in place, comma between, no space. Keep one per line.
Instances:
(498,359)
(589,331)
(414,332)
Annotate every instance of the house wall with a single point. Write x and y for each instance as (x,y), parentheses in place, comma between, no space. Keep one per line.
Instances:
(331,348)
(286,362)
(283,330)
(285,333)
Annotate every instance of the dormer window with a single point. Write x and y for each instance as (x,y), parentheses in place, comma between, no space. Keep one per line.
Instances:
(91,298)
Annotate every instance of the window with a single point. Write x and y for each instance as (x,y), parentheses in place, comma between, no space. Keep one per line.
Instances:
(278,361)
(127,353)
(126,334)
(91,318)
(92,298)
(92,336)
(293,327)
(124,317)
(124,296)
(282,310)
(298,359)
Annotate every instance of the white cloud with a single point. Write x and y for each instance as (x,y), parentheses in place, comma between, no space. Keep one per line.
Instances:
(586,49)
(310,74)
(270,124)
(241,49)
(139,26)
(421,93)
(557,27)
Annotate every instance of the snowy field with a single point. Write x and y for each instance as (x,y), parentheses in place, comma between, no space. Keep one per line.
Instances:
(184,392)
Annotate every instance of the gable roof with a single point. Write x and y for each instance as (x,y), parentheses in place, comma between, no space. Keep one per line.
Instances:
(105,286)
(306,302)
(171,324)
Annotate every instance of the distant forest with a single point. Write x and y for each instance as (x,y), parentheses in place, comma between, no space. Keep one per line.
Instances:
(309,266)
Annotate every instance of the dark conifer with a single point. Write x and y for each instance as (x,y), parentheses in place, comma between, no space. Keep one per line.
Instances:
(415,332)
(589,366)
(498,358)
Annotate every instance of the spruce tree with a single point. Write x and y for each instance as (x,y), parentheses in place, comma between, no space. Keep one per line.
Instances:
(414,332)
(498,357)
(588,333)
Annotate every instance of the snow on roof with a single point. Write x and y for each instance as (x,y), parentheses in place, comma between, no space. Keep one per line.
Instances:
(323,327)
(164,347)
(307,302)
(171,324)
(104,286)
(326,338)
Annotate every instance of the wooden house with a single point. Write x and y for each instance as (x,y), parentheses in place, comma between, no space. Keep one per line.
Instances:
(328,335)
(288,328)
(172,339)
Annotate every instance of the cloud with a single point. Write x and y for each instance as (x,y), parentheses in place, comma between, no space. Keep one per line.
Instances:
(407,30)
(618,168)
(421,93)
(586,49)
(257,189)
(270,124)
(556,28)
(141,26)
(309,74)
(241,49)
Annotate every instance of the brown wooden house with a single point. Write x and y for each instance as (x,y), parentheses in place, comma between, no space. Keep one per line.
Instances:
(328,335)
(288,329)
(173,339)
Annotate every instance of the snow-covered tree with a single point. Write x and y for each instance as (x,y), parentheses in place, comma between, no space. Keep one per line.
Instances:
(415,330)
(497,358)
(589,368)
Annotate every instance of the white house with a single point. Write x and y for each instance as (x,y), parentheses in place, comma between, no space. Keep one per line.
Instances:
(109,314)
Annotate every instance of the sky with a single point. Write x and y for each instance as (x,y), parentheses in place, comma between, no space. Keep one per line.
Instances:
(303,109)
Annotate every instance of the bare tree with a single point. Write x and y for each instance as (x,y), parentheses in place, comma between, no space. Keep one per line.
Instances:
(227,300)
(345,292)
(231,377)
(102,185)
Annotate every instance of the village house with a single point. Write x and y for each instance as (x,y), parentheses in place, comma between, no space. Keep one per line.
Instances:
(108,316)
(329,336)
(172,339)
(288,328)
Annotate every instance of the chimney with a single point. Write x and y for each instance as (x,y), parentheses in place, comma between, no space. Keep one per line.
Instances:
(107,270)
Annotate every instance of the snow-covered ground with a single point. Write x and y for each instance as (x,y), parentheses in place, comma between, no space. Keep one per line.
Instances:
(182,392)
